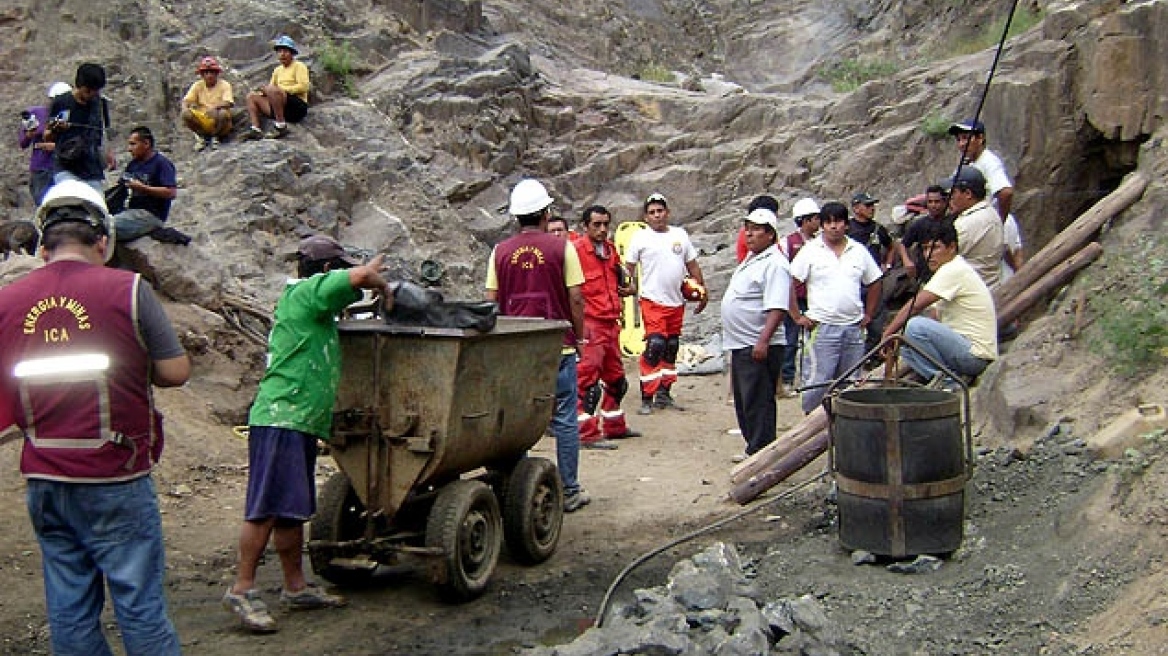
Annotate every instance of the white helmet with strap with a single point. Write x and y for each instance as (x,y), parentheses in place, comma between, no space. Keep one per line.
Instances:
(73,200)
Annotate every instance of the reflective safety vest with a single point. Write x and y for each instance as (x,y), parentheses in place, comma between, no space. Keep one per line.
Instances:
(601,276)
(75,374)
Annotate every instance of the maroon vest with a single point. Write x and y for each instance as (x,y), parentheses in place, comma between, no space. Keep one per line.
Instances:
(88,422)
(795,243)
(529,268)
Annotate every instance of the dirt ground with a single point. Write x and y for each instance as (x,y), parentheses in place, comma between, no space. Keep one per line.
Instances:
(1008,590)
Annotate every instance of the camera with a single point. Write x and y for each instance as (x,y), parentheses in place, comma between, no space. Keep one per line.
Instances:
(29,121)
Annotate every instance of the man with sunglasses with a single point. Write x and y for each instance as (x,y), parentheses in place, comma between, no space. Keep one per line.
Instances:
(601,374)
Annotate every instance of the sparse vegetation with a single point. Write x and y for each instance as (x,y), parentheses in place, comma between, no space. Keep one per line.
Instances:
(654,72)
(1024,19)
(849,74)
(337,60)
(936,125)
(1131,322)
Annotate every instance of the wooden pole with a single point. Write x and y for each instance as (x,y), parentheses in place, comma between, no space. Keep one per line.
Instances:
(1055,278)
(1073,237)
(797,459)
(811,425)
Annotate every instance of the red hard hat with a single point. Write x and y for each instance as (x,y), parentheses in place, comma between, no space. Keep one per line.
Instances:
(209,64)
(692,290)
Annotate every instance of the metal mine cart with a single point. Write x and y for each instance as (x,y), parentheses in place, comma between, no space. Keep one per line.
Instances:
(430,431)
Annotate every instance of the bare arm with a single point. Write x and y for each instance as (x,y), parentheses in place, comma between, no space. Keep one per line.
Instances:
(576,306)
(171,372)
(774,319)
(872,303)
(1005,198)
(924,299)
(695,272)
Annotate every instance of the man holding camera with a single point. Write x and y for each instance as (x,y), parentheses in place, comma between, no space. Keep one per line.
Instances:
(33,123)
(77,126)
(150,185)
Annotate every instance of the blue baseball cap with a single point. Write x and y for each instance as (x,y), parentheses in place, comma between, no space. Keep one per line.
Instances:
(285,41)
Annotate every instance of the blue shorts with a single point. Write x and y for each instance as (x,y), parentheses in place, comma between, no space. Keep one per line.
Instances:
(281,480)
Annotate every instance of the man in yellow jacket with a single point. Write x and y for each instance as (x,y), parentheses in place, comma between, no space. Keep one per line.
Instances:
(285,98)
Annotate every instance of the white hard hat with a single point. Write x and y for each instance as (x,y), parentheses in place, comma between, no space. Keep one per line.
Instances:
(76,194)
(804,207)
(763,216)
(528,197)
(58,88)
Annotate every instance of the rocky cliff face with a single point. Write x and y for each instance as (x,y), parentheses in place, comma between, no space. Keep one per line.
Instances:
(453,101)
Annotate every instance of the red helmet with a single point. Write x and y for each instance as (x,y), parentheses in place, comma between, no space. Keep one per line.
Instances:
(209,64)
(692,290)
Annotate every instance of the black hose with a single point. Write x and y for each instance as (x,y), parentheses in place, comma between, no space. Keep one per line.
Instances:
(689,536)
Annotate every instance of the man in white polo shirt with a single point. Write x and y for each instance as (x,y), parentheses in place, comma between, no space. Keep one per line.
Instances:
(833,267)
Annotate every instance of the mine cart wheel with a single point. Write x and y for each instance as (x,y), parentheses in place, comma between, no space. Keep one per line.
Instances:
(339,517)
(533,510)
(465,524)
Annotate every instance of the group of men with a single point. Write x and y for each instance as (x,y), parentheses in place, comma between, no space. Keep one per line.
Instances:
(70,137)
(825,279)
(76,330)
(85,344)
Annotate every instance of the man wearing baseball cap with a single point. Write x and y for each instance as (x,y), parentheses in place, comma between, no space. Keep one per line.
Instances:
(971,143)
(291,411)
(980,235)
(285,98)
(753,309)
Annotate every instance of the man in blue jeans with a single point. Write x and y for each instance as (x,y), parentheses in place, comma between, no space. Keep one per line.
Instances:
(83,343)
(963,333)
(833,266)
(536,274)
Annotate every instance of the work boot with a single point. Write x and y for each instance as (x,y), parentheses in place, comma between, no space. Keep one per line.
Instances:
(252,133)
(663,399)
(602,445)
(646,406)
(627,434)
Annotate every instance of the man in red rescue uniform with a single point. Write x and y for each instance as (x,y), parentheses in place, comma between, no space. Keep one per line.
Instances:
(665,255)
(601,374)
(83,344)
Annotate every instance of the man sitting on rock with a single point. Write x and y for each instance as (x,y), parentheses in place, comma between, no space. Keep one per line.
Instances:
(979,228)
(285,98)
(151,185)
(963,334)
(207,105)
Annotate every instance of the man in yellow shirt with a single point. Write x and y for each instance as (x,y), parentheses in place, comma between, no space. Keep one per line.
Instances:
(963,333)
(207,105)
(285,98)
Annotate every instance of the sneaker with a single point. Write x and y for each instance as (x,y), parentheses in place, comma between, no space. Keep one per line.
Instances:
(664,400)
(738,457)
(627,434)
(252,133)
(602,445)
(200,144)
(251,610)
(646,408)
(215,143)
(311,598)
(576,500)
(278,131)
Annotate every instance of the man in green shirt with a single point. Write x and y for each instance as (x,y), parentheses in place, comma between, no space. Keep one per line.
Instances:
(292,410)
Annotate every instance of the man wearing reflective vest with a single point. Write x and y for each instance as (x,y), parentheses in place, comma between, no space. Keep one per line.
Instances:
(601,374)
(83,345)
(536,274)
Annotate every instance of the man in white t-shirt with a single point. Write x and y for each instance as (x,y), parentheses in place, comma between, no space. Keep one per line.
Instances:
(963,336)
(833,266)
(753,310)
(971,143)
(665,255)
